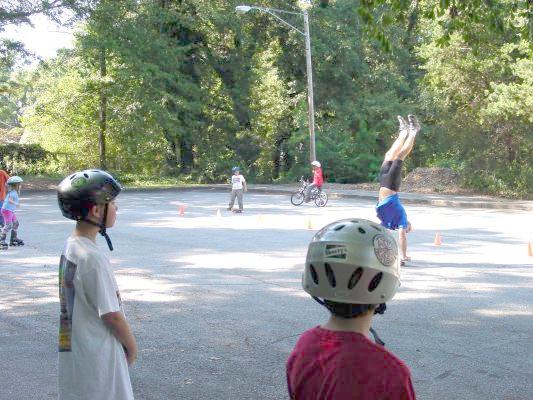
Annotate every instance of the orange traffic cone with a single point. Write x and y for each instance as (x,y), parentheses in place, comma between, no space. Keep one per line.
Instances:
(438,240)
(182,210)
(530,249)
(218,213)
(309,224)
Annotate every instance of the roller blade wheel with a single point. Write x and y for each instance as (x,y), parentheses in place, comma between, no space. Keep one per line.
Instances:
(297,198)
(16,243)
(321,200)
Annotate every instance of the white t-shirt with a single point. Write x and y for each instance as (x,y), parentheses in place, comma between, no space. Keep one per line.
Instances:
(237,181)
(92,362)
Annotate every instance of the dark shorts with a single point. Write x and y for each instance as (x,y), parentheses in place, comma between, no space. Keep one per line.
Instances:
(390,175)
(391,213)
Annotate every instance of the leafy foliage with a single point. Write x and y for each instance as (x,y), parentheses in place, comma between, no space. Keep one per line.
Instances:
(23,159)
(192,89)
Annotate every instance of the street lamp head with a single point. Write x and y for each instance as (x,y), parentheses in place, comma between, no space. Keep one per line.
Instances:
(242,9)
(305,4)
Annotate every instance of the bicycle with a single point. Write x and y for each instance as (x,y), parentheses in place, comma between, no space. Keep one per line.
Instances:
(320,198)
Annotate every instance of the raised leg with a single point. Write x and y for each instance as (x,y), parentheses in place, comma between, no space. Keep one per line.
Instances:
(392,153)
(407,147)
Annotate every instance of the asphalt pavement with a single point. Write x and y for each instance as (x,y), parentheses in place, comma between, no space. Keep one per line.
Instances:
(216,303)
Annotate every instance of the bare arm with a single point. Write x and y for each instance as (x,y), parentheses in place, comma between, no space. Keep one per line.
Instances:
(116,322)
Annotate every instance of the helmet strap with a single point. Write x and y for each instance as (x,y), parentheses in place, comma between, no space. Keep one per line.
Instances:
(380,309)
(353,311)
(377,339)
(102,227)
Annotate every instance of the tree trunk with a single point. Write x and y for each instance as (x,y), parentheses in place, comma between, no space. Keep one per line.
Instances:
(173,156)
(103,109)
(187,156)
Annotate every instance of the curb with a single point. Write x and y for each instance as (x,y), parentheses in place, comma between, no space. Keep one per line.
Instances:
(407,198)
(453,202)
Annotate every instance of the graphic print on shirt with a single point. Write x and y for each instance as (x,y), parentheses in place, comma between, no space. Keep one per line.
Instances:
(67,271)
(236,181)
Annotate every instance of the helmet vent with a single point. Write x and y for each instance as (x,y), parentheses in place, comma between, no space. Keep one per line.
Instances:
(314,275)
(86,175)
(361,230)
(354,279)
(338,228)
(374,283)
(355,221)
(330,275)
(72,176)
(377,228)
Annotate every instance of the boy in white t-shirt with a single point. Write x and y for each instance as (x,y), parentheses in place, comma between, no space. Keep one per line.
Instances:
(95,341)
(238,185)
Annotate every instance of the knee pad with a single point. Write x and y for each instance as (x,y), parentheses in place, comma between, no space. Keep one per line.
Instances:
(15,225)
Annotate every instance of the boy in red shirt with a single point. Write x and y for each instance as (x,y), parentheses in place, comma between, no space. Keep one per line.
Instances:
(352,268)
(318,180)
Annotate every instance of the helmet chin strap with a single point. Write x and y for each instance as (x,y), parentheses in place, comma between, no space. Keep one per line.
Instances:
(102,227)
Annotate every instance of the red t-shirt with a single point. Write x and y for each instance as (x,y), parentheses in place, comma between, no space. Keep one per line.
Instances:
(331,365)
(3,179)
(317,177)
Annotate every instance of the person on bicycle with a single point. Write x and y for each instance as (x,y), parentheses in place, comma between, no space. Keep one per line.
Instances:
(352,267)
(318,180)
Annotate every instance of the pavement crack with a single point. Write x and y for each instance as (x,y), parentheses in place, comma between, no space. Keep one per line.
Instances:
(281,339)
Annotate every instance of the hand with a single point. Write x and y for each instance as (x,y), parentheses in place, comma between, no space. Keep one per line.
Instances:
(131,355)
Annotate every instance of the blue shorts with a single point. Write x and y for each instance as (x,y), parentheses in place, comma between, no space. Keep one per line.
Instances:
(391,213)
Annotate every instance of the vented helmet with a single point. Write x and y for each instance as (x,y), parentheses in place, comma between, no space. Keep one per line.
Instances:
(14,180)
(352,261)
(78,192)
(82,190)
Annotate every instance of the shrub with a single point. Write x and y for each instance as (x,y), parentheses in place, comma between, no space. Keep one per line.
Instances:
(24,159)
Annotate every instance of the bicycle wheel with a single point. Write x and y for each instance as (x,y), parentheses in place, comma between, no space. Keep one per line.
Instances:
(322,199)
(297,198)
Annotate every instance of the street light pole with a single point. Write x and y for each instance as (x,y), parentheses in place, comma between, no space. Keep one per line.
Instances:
(304,5)
(310,99)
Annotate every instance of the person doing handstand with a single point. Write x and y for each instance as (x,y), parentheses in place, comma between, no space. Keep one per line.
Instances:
(389,209)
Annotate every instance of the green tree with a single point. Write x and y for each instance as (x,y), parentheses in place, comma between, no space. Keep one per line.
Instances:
(471,89)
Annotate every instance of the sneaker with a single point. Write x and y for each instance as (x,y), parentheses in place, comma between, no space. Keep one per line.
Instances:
(414,125)
(405,260)
(403,125)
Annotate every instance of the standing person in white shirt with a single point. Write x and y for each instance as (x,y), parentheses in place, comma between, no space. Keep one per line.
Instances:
(95,341)
(238,185)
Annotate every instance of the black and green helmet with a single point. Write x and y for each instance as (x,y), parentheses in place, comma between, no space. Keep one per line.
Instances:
(78,192)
